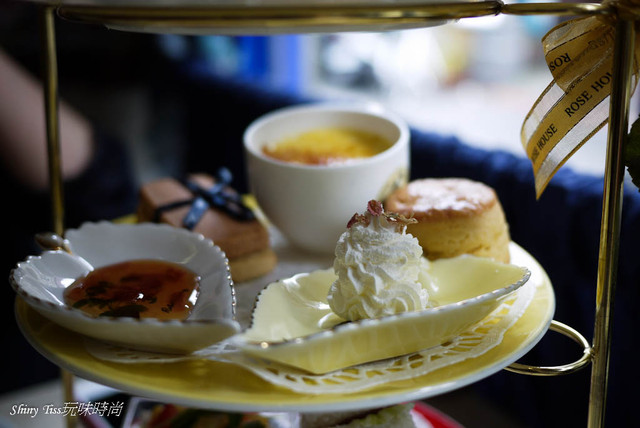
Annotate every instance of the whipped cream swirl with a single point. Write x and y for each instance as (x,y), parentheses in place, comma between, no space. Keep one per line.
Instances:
(378,265)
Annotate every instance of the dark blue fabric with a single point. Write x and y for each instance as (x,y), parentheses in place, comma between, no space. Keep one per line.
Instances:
(561,230)
(218,111)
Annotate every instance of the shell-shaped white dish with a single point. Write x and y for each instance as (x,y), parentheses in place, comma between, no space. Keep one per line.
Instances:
(294,325)
(41,281)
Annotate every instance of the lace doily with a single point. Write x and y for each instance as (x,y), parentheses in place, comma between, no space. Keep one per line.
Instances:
(482,337)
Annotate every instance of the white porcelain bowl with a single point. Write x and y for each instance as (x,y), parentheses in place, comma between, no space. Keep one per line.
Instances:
(311,204)
(41,280)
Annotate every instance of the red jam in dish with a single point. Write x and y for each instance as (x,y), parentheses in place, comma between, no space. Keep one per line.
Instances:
(136,288)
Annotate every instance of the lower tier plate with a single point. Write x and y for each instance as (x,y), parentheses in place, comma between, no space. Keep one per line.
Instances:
(221,386)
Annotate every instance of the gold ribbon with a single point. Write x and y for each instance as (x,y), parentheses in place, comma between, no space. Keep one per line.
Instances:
(575,105)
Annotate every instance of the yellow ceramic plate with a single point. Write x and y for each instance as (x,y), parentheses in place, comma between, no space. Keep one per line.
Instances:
(215,385)
(294,325)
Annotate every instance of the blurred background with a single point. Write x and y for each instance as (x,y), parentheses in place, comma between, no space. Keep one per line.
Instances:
(476,78)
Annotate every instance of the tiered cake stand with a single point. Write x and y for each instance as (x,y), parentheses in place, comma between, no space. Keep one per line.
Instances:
(284,16)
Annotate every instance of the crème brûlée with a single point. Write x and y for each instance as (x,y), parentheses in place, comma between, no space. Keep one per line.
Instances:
(327,146)
(453,216)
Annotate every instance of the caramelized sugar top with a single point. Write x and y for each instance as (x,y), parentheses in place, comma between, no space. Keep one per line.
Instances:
(326,146)
(136,288)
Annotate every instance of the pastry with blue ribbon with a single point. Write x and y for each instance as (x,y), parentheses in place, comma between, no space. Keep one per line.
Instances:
(210,206)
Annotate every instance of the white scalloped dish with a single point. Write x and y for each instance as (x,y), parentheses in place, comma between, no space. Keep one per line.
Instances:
(41,281)
(293,324)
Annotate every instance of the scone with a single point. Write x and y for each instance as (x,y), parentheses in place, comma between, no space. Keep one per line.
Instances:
(245,242)
(455,216)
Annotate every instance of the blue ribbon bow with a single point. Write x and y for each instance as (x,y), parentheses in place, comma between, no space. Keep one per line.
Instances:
(216,196)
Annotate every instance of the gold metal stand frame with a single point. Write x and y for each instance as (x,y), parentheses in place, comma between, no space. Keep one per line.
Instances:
(51,100)
(611,215)
(52,120)
(585,359)
(220,19)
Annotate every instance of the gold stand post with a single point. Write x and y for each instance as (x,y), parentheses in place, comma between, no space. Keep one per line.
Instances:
(611,215)
(52,119)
